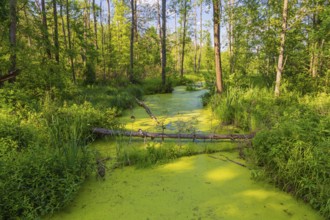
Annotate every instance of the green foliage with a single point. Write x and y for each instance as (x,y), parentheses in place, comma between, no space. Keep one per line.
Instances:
(89,73)
(44,156)
(38,181)
(246,109)
(158,153)
(290,146)
(295,156)
(154,85)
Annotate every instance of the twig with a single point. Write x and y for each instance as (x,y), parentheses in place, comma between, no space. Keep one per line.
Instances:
(228,159)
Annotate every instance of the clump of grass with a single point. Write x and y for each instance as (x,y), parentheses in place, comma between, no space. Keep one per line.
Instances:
(44,156)
(159,153)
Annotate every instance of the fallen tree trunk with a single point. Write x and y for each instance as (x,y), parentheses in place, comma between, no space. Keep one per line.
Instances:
(143,105)
(9,76)
(143,134)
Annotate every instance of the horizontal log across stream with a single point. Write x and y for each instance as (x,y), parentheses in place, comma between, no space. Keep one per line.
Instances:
(144,134)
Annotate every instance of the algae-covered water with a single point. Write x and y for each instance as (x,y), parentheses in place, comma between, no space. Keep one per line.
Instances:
(205,186)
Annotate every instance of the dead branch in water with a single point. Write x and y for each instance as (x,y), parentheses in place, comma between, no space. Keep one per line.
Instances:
(228,159)
(143,105)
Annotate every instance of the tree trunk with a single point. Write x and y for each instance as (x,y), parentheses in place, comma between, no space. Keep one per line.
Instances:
(136,36)
(45,29)
(195,43)
(217,54)
(144,134)
(183,36)
(12,34)
(63,25)
(159,26)
(131,69)
(230,34)
(56,42)
(177,50)
(163,42)
(201,37)
(102,42)
(110,37)
(69,39)
(281,55)
(317,44)
(95,26)
(85,43)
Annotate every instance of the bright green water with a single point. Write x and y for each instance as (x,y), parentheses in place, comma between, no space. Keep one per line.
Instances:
(197,187)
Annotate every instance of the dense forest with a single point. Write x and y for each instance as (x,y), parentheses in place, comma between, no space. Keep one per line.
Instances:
(69,66)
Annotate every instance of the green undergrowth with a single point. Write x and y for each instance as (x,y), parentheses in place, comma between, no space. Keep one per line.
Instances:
(44,156)
(154,85)
(155,153)
(291,147)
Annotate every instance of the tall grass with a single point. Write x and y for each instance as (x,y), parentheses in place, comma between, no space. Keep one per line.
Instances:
(43,166)
(155,153)
(290,148)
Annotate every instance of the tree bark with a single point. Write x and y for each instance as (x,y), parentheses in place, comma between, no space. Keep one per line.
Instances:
(45,29)
(200,37)
(103,42)
(95,26)
(159,26)
(143,105)
(12,34)
(183,36)
(110,37)
(56,42)
(144,134)
(69,40)
(11,75)
(230,34)
(195,36)
(136,36)
(281,55)
(131,66)
(63,25)
(217,54)
(163,42)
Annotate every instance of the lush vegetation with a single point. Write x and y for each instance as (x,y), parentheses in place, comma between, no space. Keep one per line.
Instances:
(69,66)
(290,148)
(44,153)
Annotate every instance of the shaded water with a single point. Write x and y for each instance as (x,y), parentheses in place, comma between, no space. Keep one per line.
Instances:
(180,108)
(196,187)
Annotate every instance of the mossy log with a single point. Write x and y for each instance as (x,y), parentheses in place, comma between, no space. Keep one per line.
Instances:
(144,134)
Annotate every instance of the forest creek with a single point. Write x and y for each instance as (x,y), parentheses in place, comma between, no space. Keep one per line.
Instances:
(164,109)
(205,186)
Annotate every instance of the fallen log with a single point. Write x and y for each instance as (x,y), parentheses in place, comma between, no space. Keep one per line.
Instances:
(143,105)
(144,134)
(9,76)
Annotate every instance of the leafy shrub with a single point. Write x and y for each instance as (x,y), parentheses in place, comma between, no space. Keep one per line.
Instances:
(294,155)
(38,181)
(290,146)
(89,73)
(154,85)
(44,158)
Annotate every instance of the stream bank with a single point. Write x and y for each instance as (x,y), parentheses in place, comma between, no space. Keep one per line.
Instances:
(196,187)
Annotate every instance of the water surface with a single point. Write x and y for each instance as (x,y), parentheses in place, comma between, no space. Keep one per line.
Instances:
(196,187)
